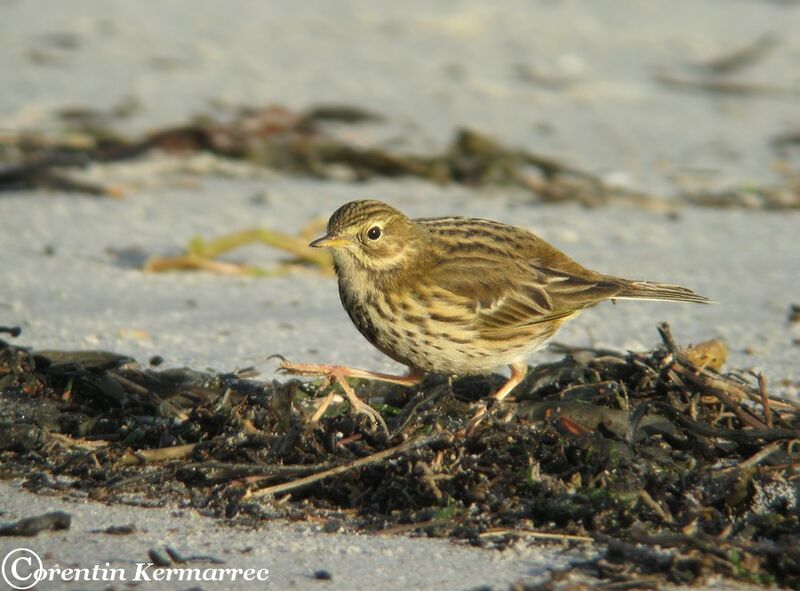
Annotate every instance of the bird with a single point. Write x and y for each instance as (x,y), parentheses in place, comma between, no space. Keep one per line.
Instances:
(457,296)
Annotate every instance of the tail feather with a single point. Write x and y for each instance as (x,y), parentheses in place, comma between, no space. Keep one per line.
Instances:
(645,290)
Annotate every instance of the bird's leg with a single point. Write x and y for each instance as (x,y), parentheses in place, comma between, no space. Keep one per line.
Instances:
(413,377)
(323,406)
(338,374)
(518,372)
(356,405)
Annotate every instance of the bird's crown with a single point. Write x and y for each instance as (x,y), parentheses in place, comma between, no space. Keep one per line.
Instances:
(356,213)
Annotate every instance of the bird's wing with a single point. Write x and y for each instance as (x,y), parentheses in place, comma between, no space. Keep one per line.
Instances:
(516,293)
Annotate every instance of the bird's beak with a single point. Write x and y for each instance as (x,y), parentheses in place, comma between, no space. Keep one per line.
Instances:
(329,241)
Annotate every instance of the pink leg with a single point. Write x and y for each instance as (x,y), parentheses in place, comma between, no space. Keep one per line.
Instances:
(413,377)
(518,372)
(339,374)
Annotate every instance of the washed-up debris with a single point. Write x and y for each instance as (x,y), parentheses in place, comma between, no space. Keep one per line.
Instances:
(202,255)
(297,143)
(674,468)
(117,530)
(741,58)
(323,575)
(32,526)
(302,143)
(722,86)
(178,558)
(784,142)
(785,196)
(715,76)
(794,313)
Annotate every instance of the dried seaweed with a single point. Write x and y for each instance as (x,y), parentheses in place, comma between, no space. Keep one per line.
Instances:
(743,57)
(786,196)
(715,75)
(32,526)
(202,254)
(301,143)
(675,470)
(722,86)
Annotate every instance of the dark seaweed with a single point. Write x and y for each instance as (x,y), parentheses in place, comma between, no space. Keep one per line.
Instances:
(676,472)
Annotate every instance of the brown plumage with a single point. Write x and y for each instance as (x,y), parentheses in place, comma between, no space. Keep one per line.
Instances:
(458,295)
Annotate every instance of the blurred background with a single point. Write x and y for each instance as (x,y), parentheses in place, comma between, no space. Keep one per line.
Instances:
(649,139)
(648,91)
(163,166)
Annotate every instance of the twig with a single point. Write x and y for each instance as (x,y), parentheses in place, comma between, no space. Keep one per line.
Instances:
(759,456)
(738,435)
(407,446)
(161,454)
(155,475)
(666,336)
(762,389)
(775,402)
(706,380)
(534,534)
(720,388)
(70,442)
(655,507)
(224,471)
(130,385)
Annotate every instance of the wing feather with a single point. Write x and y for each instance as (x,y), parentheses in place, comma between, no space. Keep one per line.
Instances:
(501,300)
(500,278)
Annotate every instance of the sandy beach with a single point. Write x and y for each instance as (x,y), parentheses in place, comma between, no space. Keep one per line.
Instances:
(576,81)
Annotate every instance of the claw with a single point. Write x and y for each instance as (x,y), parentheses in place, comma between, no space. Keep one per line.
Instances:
(356,405)
(374,416)
(334,375)
(302,369)
(282,359)
(477,418)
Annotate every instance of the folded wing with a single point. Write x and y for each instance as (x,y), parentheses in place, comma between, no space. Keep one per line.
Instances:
(518,295)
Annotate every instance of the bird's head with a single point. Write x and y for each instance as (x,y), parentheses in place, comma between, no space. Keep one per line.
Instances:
(370,235)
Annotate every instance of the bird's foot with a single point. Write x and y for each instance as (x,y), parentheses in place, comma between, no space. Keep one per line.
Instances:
(358,406)
(485,409)
(518,371)
(412,378)
(337,374)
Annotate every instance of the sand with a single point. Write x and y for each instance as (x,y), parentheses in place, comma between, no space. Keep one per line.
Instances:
(69,275)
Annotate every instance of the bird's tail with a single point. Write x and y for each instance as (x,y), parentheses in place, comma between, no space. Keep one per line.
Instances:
(645,290)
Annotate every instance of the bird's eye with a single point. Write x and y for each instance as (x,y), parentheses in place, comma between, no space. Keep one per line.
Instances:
(374,233)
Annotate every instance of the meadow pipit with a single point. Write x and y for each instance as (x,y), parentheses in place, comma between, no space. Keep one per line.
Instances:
(457,296)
